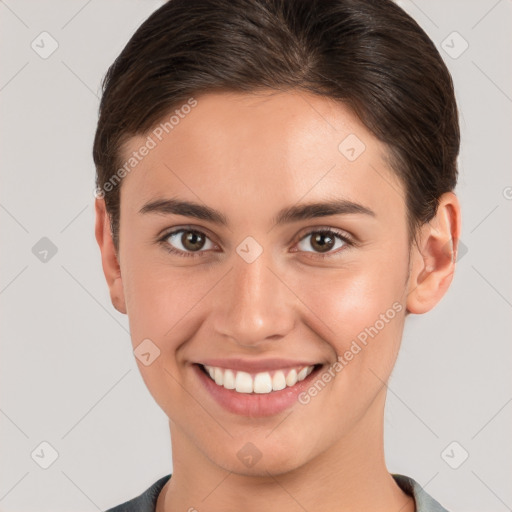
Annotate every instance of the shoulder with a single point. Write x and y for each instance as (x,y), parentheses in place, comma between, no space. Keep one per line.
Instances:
(145,502)
(424,502)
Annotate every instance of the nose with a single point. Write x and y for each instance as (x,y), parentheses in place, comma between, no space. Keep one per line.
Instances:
(255,305)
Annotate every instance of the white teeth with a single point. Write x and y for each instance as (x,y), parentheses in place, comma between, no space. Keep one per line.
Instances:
(219,376)
(243,382)
(229,379)
(261,383)
(304,373)
(278,381)
(291,378)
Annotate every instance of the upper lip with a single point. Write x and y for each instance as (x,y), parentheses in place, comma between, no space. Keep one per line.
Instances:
(255,366)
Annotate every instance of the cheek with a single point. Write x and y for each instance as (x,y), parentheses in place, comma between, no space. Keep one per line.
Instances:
(166,306)
(157,303)
(154,293)
(362,317)
(360,313)
(352,299)
(345,301)
(343,305)
(161,308)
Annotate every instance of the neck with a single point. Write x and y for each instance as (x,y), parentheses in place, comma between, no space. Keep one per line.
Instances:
(350,476)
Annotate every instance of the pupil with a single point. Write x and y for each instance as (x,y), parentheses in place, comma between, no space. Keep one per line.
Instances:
(191,238)
(323,247)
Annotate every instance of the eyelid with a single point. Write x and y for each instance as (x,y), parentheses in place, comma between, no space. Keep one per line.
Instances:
(164,233)
(340,232)
(307,231)
(346,237)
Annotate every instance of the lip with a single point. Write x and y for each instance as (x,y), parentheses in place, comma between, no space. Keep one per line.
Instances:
(255,366)
(254,404)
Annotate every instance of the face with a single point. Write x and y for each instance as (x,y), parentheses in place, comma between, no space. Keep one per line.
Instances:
(235,284)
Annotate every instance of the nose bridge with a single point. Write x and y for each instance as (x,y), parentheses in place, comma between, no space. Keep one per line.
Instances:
(253,306)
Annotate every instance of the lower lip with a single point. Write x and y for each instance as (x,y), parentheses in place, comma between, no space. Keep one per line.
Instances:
(255,404)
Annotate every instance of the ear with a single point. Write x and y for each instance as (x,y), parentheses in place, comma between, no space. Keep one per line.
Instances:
(109,259)
(433,258)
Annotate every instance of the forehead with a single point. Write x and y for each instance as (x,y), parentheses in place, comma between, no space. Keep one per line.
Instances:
(254,150)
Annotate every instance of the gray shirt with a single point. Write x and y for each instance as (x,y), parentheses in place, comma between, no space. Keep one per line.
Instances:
(146,502)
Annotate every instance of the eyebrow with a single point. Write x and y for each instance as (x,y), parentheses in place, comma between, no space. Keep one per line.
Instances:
(286,215)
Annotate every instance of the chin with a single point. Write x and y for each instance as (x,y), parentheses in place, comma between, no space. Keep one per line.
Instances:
(262,459)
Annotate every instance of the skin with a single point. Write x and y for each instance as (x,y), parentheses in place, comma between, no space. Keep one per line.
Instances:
(248,156)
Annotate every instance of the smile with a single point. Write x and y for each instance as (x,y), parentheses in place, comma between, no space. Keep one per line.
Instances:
(260,383)
(255,388)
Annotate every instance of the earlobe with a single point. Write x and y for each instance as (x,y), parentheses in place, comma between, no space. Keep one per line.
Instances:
(109,259)
(433,259)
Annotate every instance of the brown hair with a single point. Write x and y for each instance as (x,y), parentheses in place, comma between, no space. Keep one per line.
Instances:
(368,54)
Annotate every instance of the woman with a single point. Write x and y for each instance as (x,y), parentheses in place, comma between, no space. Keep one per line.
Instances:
(274,196)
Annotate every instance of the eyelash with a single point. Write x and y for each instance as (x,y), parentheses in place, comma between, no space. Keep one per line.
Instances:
(329,231)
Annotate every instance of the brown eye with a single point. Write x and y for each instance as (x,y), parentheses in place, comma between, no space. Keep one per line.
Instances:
(192,240)
(186,241)
(323,241)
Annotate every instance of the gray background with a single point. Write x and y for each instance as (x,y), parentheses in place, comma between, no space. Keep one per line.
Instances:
(68,375)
